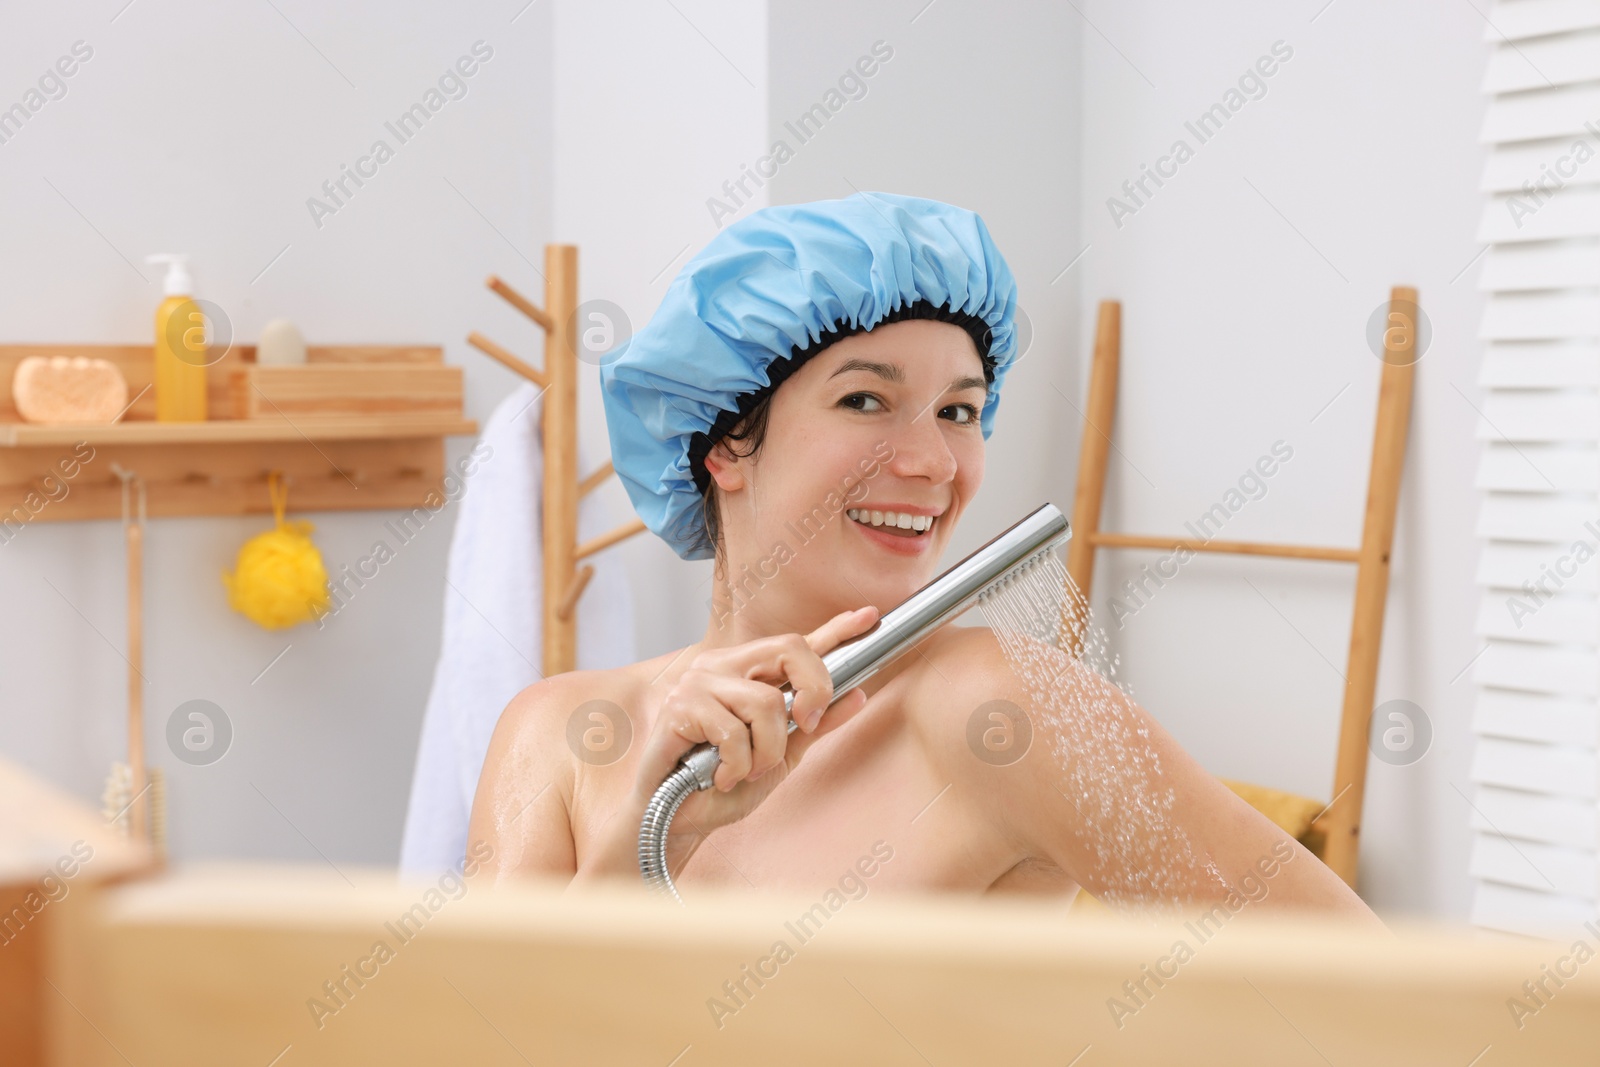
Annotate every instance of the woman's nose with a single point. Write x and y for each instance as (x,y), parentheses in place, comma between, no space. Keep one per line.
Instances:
(920,450)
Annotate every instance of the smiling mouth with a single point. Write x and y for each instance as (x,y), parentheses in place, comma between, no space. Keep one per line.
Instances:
(895,523)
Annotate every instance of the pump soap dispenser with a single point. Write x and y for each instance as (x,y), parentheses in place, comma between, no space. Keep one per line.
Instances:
(181,351)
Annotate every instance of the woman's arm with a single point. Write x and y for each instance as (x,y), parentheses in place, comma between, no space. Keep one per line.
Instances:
(523,806)
(1105,793)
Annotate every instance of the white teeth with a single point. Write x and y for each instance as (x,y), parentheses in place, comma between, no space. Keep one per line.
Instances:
(891,518)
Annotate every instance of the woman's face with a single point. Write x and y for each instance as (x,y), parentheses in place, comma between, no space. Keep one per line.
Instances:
(886,420)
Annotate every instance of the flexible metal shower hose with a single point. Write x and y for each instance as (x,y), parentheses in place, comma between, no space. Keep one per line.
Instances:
(653,836)
(696,773)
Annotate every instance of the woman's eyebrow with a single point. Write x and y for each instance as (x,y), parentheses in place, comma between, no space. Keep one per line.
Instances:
(893,372)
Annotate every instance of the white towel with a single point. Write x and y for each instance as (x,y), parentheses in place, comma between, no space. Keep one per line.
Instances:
(491,646)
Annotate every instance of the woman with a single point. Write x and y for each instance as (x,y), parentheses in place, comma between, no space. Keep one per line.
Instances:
(810,406)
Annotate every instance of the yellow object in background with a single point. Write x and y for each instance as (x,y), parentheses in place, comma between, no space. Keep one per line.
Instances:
(181,351)
(279,580)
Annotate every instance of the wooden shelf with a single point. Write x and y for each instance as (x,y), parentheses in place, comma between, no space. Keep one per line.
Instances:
(150,432)
(220,466)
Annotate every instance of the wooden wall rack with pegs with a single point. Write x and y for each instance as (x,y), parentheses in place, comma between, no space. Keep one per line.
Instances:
(220,466)
(564,580)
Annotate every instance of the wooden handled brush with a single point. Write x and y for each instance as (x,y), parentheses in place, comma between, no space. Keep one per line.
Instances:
(127,806)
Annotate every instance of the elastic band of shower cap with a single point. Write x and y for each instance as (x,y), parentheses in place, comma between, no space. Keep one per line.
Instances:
(765,295)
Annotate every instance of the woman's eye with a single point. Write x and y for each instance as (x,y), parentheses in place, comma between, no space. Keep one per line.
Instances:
(850,400)
(857,400)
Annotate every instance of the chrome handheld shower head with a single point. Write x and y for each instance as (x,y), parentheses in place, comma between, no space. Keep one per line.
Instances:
(987,569)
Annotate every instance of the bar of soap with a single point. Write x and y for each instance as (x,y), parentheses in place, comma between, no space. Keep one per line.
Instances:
(68,389)
(280,344)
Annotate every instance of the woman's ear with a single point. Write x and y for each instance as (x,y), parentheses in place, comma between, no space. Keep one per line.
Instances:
(724,468)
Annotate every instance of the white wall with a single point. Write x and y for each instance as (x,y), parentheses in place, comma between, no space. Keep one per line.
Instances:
(1247,282)
(653,112)
(204,128)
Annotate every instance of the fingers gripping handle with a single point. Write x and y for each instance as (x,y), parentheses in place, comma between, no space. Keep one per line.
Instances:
(696,771)
(703,760)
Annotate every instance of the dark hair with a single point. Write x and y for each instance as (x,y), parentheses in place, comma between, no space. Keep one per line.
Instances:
(752,428)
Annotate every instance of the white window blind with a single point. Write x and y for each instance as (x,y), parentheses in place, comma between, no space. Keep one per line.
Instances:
(1536,758)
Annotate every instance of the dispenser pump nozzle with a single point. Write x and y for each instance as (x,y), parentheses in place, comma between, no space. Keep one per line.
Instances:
(178,282)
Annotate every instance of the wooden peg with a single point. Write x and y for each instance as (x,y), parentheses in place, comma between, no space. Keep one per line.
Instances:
(527,370)
(606,540)
(588,484)
(569,600)
(522,303)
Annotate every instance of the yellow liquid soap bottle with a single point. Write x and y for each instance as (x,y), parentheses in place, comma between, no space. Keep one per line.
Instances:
(181,349)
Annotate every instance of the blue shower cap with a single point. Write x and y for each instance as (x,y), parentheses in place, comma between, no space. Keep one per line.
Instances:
(764,295)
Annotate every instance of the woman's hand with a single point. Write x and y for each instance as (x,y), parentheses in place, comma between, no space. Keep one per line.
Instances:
(730,697)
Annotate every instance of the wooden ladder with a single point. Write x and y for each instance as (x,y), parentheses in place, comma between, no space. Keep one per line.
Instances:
(1340,820)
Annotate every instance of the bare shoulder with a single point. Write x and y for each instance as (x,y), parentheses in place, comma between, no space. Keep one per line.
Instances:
(548,712)
(524,800)
(957,678)
(537,721)
(971,647)
(969,663)
(980,731)
(543,707)
(975,664)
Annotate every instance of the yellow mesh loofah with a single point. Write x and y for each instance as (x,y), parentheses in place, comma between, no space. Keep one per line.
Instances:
(279,580)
